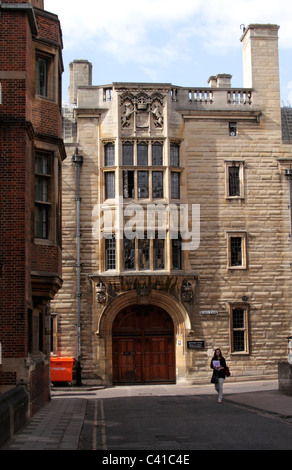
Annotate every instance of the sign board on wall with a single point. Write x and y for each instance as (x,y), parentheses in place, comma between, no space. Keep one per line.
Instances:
(196,344)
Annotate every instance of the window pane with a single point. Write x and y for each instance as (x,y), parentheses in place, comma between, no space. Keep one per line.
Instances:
(238,341)
(109,185)
(158,253)
(110,253)
(142,154)
(234,186)
(42,164)
(144,251)
(143,184)
(41,189)
(176,254)
(109,155)
(157,158)
(236,253)
(157,184)
(238,318)
(41,76)
(175,185)
(128,184)
(129,254)
(174,155)
(41,221)
(128,154)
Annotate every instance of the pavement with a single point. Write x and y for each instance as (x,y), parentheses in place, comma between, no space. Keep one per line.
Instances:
(58,425)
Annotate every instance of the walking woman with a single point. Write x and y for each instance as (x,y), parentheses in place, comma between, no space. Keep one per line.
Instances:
(218,364)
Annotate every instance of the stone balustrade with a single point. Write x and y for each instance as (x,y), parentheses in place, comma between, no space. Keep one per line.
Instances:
(215,97)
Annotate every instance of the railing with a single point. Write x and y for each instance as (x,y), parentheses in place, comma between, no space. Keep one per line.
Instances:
(107,94)
(239,97)
(205,96)
(200,96)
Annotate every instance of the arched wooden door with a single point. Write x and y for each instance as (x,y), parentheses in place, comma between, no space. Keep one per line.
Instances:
(143,346)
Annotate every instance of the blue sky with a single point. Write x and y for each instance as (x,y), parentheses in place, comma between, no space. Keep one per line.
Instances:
(180,42)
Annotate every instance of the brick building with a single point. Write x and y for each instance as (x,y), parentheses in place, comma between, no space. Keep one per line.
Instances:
(31,155)
(151,305)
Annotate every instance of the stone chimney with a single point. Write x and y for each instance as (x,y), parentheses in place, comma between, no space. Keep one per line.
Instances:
(222,80)
(80,75)
(261,67)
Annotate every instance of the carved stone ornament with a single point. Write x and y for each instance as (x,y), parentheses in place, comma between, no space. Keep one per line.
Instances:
(137,109)
(100,293)
(187,292)
(127,113)
(157,115)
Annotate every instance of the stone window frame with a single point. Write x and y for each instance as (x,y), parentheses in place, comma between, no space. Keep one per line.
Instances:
(243,236)
(107,188)
(240,164)
(138,169)
(153,247)
(49,93)
(244,329)
(45,205)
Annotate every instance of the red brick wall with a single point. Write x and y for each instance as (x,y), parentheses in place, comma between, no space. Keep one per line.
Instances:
(40,387)
(36,3)
(23,120)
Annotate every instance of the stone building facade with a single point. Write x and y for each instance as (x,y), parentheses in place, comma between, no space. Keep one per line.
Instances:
(31,154)
(183,235)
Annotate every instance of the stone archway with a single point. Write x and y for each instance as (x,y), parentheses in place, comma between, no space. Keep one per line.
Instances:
(175,310)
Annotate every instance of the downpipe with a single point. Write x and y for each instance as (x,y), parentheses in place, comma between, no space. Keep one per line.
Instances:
(78,161)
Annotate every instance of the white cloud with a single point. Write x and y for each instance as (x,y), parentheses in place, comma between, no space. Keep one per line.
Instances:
(129,22)
(153,35)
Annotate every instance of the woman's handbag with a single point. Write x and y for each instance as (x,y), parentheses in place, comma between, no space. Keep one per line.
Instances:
(227,372)
(214,379)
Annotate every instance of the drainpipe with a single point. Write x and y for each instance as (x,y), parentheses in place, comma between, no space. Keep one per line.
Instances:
(78,161)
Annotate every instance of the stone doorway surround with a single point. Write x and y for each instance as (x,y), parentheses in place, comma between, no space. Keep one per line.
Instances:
(115,293)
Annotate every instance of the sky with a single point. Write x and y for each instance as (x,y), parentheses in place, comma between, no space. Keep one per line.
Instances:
(168,41)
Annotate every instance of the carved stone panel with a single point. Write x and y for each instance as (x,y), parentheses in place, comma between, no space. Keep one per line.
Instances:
(142,111)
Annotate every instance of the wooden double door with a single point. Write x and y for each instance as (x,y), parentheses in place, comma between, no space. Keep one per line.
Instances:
(143,346)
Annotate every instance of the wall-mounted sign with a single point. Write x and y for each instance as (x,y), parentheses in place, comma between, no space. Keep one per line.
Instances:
(209,312)
(196,344)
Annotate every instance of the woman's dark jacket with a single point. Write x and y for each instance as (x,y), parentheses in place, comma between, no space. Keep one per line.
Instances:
(221,373)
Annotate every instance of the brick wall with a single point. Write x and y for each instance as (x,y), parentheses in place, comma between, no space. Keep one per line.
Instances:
(26,122)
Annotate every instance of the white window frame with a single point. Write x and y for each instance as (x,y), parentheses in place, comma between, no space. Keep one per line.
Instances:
(245,329)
